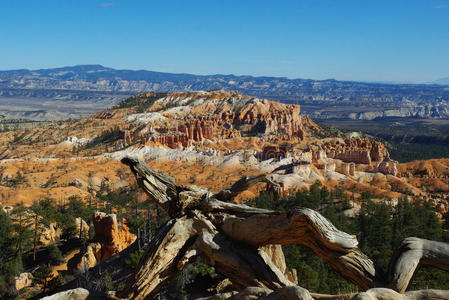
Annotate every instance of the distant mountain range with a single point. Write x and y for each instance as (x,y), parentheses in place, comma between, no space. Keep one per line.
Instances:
(444,81)
(100,78)
(357,100)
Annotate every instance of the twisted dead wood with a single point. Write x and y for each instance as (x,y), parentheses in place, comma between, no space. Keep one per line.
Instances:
(413,253)
(298,293)
(231,238)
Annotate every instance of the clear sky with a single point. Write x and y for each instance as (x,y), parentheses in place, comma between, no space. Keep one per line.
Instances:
(366,40)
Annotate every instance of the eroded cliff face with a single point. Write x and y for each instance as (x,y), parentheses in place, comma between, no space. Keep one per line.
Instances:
(363,151)
(209,139)
(185,119)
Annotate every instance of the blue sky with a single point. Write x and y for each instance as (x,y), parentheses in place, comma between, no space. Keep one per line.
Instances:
(367,40)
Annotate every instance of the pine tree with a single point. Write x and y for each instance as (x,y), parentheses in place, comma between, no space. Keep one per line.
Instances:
(21,228)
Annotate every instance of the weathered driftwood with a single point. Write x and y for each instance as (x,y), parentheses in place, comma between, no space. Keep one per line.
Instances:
(284,293)
(159,263)
(412,253)
(308,228)
(298,293)
(384,293)
(232,238)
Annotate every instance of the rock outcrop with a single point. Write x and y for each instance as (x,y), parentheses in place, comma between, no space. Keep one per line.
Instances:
(108,234)
(208,131)
(82,227)
(189,118)
(78,294)
(84,260)
(362,151)
(276,152)
(110,238)
(388,167)
(23,280)
(50,234)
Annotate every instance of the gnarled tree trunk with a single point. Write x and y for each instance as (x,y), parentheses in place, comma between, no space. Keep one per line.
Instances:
(231,238)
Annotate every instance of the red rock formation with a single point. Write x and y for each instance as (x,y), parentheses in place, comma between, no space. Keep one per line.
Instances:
(277,152)
(217,116)
(111,238)
(272,118)
(357,156)
(388,168)
(347,169)
(317,155)
(108,240)
(362,151)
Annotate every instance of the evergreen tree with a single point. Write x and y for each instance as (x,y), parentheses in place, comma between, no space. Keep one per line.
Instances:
(55,256)
(375,231)
(22,230)
(41,275)
(8,262)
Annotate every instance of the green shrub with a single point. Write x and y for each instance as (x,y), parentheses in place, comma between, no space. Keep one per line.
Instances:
(132,262)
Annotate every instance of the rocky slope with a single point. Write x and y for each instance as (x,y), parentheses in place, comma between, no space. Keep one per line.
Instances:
(209,139)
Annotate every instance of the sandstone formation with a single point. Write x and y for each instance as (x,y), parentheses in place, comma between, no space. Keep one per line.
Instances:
(110,238)
(220,135)
(108,234)
(50,234)
(276,152)
(78,294)
(81,227)
(23,280)
(362,151)
(211,139)
(85,259)
(190,118)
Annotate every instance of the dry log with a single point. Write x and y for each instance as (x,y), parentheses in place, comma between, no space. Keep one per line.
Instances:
(413,253)
(161,188)
(277,257)
(244,265)
(231,238)
(298,293)
(184,238)
(308,228)
(388,294)
(159,264)
(243,184)
(288,228)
